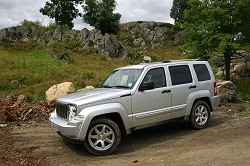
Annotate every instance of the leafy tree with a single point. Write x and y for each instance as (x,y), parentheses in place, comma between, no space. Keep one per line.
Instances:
(215,25)
(178,8)
(63,11)
(99,14)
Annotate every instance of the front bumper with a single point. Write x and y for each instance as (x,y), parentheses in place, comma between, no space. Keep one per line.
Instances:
(68,129)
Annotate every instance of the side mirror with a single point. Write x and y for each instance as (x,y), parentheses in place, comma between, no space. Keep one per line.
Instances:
(146,86)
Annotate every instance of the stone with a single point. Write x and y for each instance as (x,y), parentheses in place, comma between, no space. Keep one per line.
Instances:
(147,59)
(86,88)
(227,91)
(242,68)
(57,91)
(3,125)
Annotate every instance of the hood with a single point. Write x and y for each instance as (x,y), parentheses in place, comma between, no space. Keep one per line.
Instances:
(93,96)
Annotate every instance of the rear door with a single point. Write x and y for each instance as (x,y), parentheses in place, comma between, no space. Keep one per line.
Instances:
(182,84)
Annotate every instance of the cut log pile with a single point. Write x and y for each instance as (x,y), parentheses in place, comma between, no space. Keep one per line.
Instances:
(14,109)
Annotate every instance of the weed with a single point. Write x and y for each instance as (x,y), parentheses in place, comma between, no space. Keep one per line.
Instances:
(241,108)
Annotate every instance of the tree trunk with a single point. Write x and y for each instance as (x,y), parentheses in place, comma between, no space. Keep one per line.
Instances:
(227,62)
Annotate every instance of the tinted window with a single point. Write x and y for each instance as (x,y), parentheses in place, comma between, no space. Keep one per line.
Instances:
(180,74)
(157,76)
(202,72)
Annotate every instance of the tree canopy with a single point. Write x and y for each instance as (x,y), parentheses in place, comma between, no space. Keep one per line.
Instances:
(63,11)
(100,14)
(216,25)
(178,8)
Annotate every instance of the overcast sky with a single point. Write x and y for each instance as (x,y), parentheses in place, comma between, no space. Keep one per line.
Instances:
(14,11)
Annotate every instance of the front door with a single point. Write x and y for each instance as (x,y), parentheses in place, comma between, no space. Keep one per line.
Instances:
(152,105)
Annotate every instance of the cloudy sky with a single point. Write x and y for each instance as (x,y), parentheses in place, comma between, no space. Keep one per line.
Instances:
(14,11)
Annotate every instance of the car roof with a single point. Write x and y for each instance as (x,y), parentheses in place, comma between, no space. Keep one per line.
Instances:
(169,62)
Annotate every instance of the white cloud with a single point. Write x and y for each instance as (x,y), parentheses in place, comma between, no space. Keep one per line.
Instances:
(13,12)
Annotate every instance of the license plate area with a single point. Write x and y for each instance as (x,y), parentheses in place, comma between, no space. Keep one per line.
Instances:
(54,126)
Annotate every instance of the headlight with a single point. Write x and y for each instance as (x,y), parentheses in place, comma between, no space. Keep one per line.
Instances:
(72,112)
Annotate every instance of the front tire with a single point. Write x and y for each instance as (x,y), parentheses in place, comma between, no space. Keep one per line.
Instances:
(103,137)
(200,115)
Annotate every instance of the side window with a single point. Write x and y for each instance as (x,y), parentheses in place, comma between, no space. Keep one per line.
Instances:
(202,72)
(180,74)
(157,76)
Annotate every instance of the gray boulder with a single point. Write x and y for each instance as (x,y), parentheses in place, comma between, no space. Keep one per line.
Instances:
(227,91)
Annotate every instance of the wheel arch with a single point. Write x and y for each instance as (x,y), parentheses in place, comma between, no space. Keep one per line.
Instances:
(116,117)
(113,111)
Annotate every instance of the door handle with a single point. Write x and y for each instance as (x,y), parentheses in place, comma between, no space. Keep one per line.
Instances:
(192,87)
(166,91)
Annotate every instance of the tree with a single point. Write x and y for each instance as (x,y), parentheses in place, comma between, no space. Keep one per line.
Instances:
(178,8)
(63,11)
(215,25)
(99,14)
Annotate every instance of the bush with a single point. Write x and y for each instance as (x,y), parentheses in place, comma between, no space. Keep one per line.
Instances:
(29,23)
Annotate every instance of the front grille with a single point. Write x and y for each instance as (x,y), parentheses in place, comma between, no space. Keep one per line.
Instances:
(62,110)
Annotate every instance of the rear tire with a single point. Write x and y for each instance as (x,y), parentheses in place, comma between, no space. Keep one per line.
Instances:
(103,137)
(200,115)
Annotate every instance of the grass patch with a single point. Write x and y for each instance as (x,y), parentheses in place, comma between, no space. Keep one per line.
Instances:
(168,53)
(243,109)
(32,72)
(243,90)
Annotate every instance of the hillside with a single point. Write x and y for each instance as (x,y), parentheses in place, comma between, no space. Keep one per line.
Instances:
(34,58)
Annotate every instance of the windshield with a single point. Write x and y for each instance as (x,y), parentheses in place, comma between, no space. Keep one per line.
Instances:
(123,78)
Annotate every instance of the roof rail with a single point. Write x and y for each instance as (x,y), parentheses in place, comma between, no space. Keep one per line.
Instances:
(168,61)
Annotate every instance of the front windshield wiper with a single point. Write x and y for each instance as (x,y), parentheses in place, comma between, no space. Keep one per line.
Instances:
(106,86)
(120,86)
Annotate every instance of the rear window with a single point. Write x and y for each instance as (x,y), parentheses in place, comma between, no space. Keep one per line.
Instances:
(180,74)
(202,72)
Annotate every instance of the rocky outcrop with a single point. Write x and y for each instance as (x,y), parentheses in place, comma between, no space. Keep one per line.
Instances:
(106,44)
(57,91)
(227,91)
(22,33)
(134,34)
(146,34)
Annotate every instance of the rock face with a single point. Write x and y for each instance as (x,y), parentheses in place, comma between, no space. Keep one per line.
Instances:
(22,33)
(57,91)
(227,91)
(106,44)
(146,34)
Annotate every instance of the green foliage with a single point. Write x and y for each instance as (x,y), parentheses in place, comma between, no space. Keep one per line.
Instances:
(63,11)
(178,8)
(243,109)
(42,70)
(99,14)
(51,27)
(243,89)
(212,25)
(30,23)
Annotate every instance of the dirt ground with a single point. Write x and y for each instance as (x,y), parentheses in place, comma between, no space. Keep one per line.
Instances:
(225,142)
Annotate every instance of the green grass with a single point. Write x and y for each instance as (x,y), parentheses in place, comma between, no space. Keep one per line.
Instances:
(83,67)
(243,90)
(42,70)
(243,109)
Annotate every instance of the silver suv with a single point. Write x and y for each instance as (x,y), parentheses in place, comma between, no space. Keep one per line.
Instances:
(135,97)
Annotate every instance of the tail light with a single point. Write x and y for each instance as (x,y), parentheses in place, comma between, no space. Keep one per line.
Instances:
(215,89)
